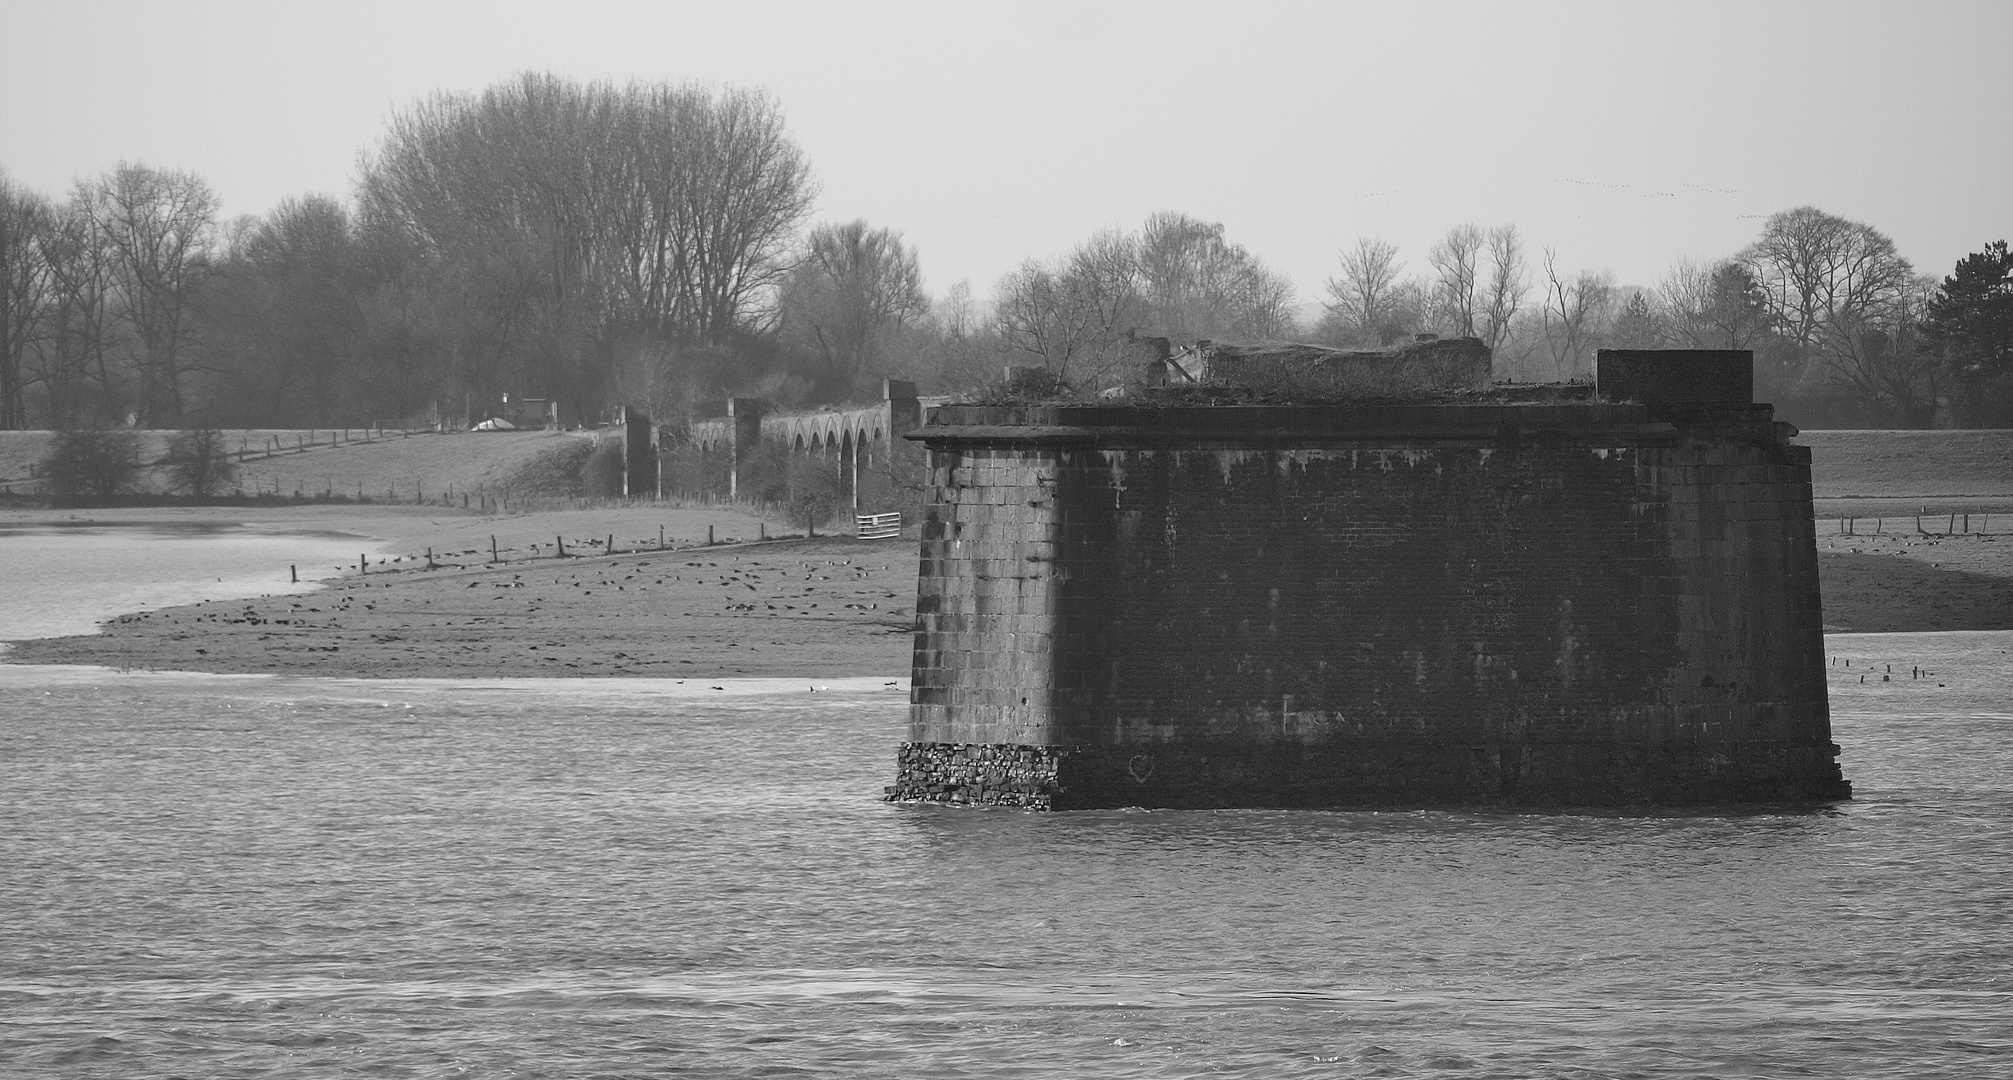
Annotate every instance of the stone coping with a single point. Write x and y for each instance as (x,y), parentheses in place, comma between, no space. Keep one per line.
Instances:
(1251,426)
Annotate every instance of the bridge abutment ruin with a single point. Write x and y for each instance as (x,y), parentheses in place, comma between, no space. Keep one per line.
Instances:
(1594,602)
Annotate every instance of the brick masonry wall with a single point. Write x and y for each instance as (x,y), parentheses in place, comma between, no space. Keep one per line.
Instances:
(986,600)
(1547,616)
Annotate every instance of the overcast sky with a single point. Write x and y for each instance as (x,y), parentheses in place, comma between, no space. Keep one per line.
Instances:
(1627,135)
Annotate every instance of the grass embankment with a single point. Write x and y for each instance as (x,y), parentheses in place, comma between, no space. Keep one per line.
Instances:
(381,468)
(1945,465)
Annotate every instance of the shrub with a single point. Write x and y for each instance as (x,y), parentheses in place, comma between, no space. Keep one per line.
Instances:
(688,470)
(807,487)
(816,492)
(199,464)
(95,465)
(895,483)
(601,472)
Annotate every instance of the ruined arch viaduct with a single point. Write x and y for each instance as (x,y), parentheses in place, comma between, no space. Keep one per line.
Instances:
(859,436)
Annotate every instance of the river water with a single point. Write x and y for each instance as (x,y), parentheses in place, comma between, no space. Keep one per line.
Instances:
(59,579)
(249,876)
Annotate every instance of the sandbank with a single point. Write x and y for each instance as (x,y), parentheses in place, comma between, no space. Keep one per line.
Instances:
(804,608)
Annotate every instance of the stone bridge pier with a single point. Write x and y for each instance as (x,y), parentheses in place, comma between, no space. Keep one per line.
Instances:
(1592,596)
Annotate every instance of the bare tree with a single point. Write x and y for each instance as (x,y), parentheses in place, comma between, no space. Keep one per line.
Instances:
(581,220)
(1175,256)
(854,293)
(24,274)
(1195,284)
(957,313)
(1879,357)
(744,194)
(1507,286)
(1454,267)
(1714,306)
(1825,283)
(1812,265)
(1364,299)
(80,327)
(1267,304)
(1035,314)
(1575,310)
(968,349)
(1102,276)
(159,225)
(285,314)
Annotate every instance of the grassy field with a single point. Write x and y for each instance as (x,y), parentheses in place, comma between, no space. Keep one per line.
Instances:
(427,468)
(384,467)
(1910,464)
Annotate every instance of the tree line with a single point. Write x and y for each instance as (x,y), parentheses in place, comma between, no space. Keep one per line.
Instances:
(1845,332)
(651,244)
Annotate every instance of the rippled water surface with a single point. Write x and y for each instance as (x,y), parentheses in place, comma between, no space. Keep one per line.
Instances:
(216,876)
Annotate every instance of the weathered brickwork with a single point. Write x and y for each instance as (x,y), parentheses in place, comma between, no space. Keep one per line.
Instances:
(986,600)
(1565,604)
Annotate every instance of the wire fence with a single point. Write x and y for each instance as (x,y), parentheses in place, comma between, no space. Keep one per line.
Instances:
(1924,524)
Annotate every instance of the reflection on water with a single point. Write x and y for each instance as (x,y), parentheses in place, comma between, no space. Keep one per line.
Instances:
(62,579)
(246,876)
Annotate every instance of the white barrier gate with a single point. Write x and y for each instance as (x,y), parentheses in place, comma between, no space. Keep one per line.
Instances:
(878,526)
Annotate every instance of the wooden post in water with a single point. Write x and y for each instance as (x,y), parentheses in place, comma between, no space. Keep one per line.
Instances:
(363,564)
(294,572)
(561,543)
(611,545)
(709,536)
(492,549)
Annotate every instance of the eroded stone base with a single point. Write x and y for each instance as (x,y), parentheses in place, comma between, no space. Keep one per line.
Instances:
(977,773)
(1231,774)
